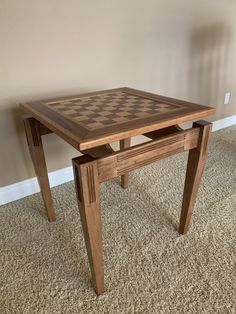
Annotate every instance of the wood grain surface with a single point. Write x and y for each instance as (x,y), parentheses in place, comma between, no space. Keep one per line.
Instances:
(98,118)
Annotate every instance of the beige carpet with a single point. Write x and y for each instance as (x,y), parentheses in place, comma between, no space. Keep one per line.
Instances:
(149,267)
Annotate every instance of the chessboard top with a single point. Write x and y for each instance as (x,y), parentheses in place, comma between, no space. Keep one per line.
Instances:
(98,118)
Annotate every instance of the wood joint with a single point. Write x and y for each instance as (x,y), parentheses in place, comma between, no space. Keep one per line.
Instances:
(32,132)
(44,130)
(162,132)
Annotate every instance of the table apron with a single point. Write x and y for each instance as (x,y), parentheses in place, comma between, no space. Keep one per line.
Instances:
(120,163)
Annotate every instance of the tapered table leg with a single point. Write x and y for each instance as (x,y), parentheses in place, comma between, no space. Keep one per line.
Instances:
(32,129)
(125,177)
(196,162)
(87,186)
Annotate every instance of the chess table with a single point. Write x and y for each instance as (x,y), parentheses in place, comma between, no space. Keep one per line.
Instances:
(90,122)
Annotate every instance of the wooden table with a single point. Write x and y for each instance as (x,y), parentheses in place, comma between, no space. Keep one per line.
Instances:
(89,122)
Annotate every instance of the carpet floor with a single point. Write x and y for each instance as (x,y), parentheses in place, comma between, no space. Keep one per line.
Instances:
(149,267)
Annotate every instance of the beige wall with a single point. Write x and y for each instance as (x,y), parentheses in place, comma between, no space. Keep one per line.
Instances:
(181,48)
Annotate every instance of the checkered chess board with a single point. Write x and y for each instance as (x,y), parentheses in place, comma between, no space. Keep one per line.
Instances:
(103,110)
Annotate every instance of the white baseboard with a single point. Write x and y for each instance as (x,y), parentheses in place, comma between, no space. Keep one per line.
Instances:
(224,123)
(28,187)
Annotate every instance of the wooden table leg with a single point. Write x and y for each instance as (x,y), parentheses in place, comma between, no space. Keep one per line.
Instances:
(86,175)
(195,167)
(32,129)
(125,178)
